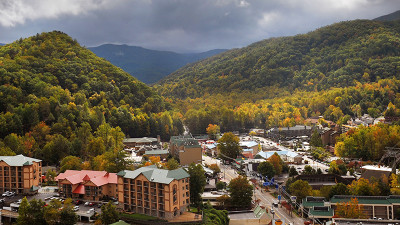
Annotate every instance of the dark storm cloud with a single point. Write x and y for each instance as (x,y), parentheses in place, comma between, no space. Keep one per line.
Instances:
(180,25)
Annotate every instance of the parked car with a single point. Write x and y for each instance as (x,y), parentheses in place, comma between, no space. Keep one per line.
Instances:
(78,202)
(87,203)
(47,198)
(5,194)
(76,208)
(100,205)
(92,204)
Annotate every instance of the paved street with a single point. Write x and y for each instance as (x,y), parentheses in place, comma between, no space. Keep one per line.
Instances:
(281,213)
(266,199)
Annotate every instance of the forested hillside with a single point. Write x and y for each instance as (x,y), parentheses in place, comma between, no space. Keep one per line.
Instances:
(332,56)
(59,99)
(339,71)
(148,65)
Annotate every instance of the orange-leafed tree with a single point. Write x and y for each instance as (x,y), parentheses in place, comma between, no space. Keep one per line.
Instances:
(351,209)
(277,162)
(212,131)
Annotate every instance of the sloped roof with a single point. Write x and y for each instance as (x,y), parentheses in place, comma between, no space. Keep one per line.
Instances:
(268,154)
(99,178)
(140,140)
(79,190)
(248,144)
(156,152)
(187,141)
(18,160)
(153,174)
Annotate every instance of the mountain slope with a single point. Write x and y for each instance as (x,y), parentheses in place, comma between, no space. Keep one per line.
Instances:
(49,80)
(148,65)
(389,17)
(332,56)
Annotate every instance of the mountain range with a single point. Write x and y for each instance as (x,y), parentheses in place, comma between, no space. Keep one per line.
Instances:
(149,66)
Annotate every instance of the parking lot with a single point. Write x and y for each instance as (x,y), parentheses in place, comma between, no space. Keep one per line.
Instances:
(84,208)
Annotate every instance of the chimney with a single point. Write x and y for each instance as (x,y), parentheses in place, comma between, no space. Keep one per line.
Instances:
(158,139)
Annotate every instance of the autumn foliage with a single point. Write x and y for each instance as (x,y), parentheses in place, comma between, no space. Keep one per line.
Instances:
(350,209)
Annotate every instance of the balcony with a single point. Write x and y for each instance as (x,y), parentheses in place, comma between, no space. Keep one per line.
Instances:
(161,207)
(153,193)
(146,184)
(160,193)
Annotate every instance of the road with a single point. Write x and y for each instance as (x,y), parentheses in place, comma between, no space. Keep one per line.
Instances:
(281,213)
(266,198)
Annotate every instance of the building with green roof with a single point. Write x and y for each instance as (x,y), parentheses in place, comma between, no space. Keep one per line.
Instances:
(384,207)
(154,192)
(20,174)
(186,148)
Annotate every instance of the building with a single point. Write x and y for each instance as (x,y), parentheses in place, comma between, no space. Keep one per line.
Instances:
(379,172)
(282,133)
(210,148)
(87,184)
(20,174)
(186,149)
(212,197)
(314,207)
(317,181)
(328,136)
(155,192)
(384,207)
(136,143)
(249,146)
(287,156)
(162,153)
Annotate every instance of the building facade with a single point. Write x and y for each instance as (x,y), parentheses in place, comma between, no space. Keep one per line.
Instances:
(88,185)
(155,192)
(20,174)
(186,149)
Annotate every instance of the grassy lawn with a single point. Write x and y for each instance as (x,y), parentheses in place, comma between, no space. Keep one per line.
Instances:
(193,209)
(136,216)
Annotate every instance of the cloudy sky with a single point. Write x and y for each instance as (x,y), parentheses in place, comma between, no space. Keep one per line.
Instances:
(180,25)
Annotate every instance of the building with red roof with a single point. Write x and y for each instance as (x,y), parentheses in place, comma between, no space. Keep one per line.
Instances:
(87,184)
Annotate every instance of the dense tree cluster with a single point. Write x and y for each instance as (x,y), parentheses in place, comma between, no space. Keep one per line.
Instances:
(368,143)
(331,56)
(59,99)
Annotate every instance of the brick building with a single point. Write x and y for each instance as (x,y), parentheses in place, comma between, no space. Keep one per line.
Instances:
(87,184)
(186,148)
(155,192)
(20,174)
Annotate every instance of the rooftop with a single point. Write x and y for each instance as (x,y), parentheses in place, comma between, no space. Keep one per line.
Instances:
(140,140)
(18,160)
(98,178)
(378,200)
(157,152)
(153,174)
(187,141)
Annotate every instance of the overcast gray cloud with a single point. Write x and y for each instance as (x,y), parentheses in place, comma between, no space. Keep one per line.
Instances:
(180,25)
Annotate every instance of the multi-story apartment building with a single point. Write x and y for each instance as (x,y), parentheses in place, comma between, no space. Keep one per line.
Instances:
(155,192)
(20,174)
(186,149)
(87,184)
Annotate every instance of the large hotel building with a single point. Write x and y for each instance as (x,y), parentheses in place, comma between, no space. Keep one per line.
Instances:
(155,192)
(20,174)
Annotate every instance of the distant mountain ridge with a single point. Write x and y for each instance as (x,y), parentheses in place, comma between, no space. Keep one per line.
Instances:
(148,65)
(389,17)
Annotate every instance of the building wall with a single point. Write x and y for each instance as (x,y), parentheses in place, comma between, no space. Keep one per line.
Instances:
(20,178)
(160,200)
(187,155)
